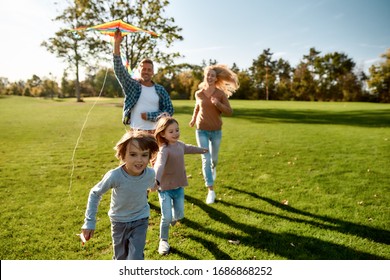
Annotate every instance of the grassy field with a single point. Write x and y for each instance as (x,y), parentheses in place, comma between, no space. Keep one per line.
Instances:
(295,181)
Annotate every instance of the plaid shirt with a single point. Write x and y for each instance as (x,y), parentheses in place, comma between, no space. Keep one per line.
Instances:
(132,90)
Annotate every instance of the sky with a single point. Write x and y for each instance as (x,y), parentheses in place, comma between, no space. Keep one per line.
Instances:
(223,30)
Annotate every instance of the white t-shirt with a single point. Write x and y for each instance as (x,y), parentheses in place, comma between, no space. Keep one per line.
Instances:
(147,102)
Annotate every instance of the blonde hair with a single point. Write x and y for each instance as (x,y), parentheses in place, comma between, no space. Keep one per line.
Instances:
(227,80)
(162,124)
(145,141)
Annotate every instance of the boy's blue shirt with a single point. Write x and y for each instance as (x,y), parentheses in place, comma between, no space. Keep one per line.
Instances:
(129,200)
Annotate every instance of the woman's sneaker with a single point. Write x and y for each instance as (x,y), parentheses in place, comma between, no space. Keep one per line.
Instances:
(210,197)
(163,247)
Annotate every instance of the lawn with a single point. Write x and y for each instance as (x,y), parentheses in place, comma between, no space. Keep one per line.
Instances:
(296,180)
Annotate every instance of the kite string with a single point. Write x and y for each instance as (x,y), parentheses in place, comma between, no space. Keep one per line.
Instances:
(81,132)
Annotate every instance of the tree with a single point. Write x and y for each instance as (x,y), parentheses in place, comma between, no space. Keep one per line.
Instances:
(181,80)
(305,78)
(303,86)
(283,72)
(74,49)
(312,60)
(85,49)
(107,78)
(38,87)
(379,82)
(246,89)
(262,71)
(328,78)
(336,78)
(146,14)
(16,88)
(49,88)
(33,86)
(66,86)
(4,82)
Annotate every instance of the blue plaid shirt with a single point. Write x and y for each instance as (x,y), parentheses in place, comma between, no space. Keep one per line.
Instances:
(132,90)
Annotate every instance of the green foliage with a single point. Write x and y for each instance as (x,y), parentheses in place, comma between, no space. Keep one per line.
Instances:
(75,49)
(83,49)
(149,15)
(295,180)
(379,81)
(326,78)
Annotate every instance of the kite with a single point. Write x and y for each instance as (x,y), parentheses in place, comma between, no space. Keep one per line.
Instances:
(109,28)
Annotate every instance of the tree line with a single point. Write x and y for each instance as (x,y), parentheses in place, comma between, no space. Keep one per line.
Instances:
(330,77)
(317,77)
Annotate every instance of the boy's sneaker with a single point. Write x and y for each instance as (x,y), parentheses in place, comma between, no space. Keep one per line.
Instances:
(210,197)
(163,247)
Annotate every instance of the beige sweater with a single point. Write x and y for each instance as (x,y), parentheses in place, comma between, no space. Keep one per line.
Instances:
(207,115)
(169,166)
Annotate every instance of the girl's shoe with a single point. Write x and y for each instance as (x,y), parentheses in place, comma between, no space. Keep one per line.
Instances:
(163,247)
(210,197)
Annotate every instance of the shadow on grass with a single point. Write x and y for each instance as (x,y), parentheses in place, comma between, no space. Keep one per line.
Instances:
(377,118)
(182,254)
(290,246)
(365,118)
(374,234)
(211,246)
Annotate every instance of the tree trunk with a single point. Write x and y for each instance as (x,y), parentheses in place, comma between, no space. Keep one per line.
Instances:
(77,85)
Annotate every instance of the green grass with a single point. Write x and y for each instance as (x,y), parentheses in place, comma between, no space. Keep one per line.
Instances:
(330,161)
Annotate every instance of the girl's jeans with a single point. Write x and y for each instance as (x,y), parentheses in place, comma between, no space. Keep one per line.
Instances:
(172,209)
(210,140)
(129,239)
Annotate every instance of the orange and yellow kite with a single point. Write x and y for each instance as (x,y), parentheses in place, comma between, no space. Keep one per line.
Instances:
(109,28)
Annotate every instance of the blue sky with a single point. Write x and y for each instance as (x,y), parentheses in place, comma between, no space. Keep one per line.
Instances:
(239,31)
(226,30)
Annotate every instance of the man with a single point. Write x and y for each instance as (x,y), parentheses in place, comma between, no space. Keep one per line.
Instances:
(144,100)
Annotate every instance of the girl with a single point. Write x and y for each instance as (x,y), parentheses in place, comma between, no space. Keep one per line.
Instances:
(211,102)
(129,209)
(171,175)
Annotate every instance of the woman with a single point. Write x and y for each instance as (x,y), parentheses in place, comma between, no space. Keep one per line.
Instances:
(211,102)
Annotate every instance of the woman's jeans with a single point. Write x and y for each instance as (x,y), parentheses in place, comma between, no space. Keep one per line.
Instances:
(172,209)
(210,140)
(129,239)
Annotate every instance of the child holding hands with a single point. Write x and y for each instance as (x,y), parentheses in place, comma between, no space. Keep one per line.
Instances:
(171,175)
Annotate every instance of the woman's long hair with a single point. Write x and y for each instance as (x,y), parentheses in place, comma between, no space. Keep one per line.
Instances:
(227,80)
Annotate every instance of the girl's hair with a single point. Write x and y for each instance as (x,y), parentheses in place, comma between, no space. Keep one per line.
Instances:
(227,80)
(162,124)
(145,141)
